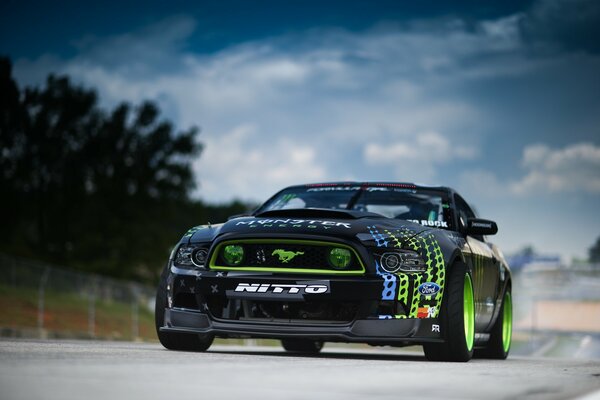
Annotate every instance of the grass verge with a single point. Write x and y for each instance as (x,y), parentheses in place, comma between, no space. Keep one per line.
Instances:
(73,315)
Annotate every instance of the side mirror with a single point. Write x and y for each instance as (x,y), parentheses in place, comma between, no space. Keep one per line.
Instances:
(479,226)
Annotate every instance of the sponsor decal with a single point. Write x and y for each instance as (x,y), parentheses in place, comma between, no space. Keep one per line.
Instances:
(429,288)
(293,223)
(285,256)
(426,312)
(278,288)
(480,225)
(424,222)
(435,328)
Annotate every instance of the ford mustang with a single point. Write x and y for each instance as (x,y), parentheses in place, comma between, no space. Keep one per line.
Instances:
(379,263)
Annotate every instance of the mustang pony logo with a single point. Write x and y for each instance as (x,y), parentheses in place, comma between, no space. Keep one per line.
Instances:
(285,256)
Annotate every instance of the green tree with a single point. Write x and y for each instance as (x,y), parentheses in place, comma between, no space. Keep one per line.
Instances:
(10,126)
(100,191)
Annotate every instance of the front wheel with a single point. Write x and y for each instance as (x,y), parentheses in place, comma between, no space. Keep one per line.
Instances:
(302,346)
(457,319)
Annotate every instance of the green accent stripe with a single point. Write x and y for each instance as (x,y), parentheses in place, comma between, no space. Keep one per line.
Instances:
(212,265)
(415,282)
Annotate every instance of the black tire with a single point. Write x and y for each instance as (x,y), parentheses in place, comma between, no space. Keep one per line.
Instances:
(170,340)
(498,346)
(458,346)
(302,346)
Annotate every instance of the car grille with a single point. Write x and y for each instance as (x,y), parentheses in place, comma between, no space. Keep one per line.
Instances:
(280,312)
(266,255)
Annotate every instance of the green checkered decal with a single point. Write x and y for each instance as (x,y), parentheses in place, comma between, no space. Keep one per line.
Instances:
(408,283)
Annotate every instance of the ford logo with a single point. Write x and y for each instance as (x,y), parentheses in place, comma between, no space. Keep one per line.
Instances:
(429,288)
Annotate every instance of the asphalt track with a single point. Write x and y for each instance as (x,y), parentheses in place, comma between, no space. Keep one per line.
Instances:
(118,370)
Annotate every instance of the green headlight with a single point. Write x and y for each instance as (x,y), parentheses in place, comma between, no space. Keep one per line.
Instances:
(233,254)
(339,258)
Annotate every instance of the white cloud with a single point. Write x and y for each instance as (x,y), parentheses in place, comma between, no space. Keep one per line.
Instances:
(251,172)
(322,105)
(417,156)
(430,147)
(573,168)
(434,102)
(551,206)
(343,90)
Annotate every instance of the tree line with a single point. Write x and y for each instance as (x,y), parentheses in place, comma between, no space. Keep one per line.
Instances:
(96,190)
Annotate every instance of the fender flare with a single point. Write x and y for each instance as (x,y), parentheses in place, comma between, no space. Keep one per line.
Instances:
(456,255)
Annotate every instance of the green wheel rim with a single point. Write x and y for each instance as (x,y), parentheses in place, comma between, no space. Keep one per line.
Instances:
(507,322)
(469,312)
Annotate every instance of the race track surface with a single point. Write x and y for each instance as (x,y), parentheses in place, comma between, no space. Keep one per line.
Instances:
(118,370)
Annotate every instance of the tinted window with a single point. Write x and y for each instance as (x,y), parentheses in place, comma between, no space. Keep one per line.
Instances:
(463,211)
(427,207)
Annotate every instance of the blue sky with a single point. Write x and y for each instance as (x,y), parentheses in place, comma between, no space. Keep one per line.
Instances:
(498,99)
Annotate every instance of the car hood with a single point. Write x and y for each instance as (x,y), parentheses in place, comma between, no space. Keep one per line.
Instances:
(349,225)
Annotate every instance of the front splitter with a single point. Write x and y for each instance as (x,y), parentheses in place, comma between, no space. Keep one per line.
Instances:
(364,330)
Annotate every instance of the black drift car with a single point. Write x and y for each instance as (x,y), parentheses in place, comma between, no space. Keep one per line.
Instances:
(377,263)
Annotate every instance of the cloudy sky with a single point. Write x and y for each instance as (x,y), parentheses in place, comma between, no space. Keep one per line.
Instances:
(499,99)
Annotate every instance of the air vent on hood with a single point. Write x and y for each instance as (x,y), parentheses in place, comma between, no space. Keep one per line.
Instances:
(318,213)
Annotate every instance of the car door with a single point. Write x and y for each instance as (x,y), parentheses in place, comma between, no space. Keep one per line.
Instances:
(483,265)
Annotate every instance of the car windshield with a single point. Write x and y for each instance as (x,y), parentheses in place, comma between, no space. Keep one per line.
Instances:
(425,206)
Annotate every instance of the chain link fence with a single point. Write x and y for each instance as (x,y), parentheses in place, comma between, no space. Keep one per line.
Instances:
(556,309)
(42,300)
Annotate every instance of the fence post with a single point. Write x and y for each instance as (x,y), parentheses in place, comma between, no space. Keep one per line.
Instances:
(41,292)
(92,309)
(135,320)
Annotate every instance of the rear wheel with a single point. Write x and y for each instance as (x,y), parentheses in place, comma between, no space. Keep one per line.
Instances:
(457,319)
(302,345)
(170,340)
(498,346)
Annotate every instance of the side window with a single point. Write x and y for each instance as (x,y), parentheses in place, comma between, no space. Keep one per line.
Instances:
(463,210)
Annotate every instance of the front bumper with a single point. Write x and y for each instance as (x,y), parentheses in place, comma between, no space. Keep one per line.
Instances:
(192,299)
